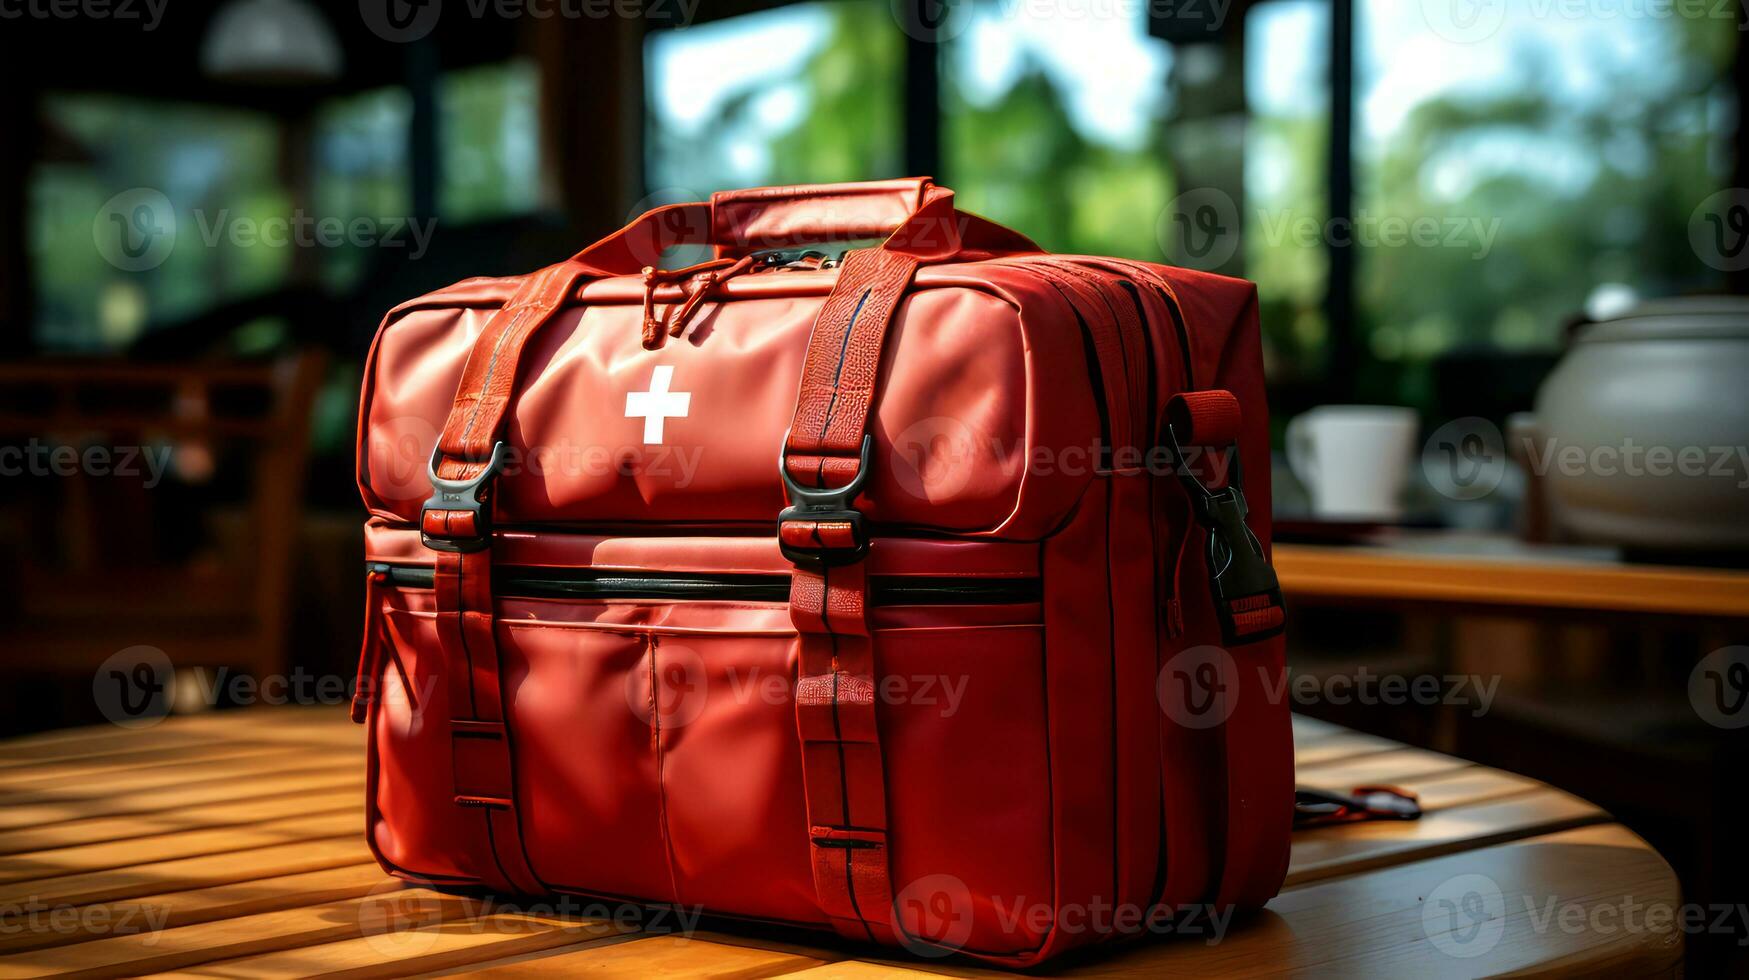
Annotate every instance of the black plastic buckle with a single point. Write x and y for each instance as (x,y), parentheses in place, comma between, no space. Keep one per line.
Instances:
(461,495)
(1317,807)
(1238,568)
(830,504)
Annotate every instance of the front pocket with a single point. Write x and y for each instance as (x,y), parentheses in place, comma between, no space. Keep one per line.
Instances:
(657,756)
(731,766)
(414,824)
(588,787)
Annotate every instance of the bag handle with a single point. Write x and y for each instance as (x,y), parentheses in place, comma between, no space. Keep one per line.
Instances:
(915,216)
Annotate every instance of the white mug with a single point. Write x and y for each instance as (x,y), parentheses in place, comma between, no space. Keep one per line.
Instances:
(1353,459)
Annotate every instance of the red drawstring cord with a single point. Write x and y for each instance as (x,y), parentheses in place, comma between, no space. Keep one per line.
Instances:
(710,275)
(366,689)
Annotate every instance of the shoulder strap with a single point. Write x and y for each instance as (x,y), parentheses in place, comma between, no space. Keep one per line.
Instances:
(1256,733)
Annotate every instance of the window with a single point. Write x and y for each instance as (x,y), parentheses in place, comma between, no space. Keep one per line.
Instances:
(820,103)
(1551,160)
(489,134)
(1287,143)
(138,229)
(1052,119)
(361,169)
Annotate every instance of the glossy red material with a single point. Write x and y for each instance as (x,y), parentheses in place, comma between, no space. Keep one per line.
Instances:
(1008,774)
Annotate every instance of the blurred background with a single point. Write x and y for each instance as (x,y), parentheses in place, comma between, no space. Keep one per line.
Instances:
(205,208)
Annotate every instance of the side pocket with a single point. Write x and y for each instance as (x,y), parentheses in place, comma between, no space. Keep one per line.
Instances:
(414,826)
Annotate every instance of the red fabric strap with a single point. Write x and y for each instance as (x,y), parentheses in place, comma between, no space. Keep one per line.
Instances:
(476,418)
(1205,418)
(842,773)
(842,770)
(480,757)
(842,366)
(817,534)
(365,688)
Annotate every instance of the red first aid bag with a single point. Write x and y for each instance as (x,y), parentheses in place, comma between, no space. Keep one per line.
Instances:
(919,593)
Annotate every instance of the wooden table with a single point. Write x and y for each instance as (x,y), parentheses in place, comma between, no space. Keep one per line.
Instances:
(229,844)
(1453,568)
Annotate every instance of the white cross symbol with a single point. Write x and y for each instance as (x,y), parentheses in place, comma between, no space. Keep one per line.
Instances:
(657,404)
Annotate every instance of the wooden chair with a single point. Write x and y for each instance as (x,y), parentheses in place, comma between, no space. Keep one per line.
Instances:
(198,565)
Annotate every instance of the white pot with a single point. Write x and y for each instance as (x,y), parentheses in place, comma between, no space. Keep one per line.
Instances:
(1641,433)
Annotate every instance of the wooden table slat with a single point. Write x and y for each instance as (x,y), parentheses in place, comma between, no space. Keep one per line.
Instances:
(1334,748)
(79,786)
(97,830)
(191,794)
(60,771)
(182,844)
(1324,852)
(196,872)
(705,955)
(417,950)
(170,910)
(1378,767)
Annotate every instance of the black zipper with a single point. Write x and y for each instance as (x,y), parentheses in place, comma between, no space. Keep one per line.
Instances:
(1149,437)
(1090,353)
(570,583)
(1183,337)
